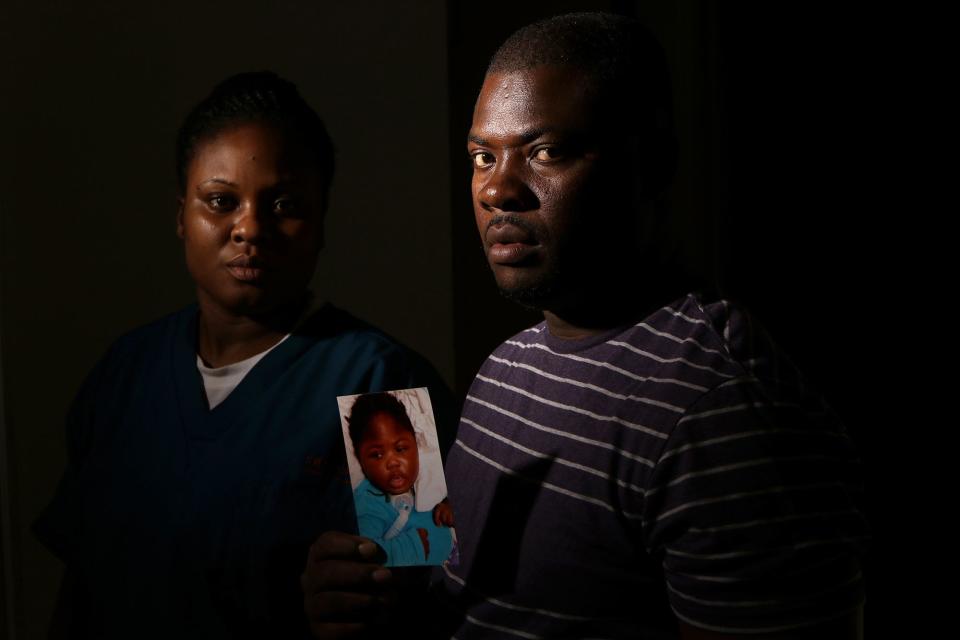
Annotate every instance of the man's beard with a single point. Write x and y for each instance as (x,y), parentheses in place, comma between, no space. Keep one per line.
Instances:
(538,295)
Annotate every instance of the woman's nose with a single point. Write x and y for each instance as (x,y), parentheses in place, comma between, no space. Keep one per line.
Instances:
(248,227)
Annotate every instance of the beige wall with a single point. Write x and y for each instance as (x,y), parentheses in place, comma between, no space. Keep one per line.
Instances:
(92,95)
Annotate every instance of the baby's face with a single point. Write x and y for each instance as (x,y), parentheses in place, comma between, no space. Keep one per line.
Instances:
(388,455)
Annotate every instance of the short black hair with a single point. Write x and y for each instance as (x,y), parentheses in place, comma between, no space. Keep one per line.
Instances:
(256,96)
(626,65)
(369,405)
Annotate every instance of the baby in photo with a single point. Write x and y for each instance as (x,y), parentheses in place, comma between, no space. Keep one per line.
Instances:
(397,476)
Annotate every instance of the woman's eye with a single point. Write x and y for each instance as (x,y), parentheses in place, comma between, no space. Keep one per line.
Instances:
(547,154)
(285,207)
(221,203)
(482,159)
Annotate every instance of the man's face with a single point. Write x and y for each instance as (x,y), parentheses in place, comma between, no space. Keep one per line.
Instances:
(388,454)
(545,196)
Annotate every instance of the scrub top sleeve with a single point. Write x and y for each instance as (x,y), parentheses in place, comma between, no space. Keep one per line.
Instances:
(59,525)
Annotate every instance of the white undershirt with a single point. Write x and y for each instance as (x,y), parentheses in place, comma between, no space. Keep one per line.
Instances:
(219,382)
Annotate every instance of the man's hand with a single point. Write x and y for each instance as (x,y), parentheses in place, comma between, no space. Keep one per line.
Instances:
(344,585)
(443,514)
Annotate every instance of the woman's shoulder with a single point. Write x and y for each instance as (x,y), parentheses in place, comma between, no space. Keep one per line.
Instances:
(139,353)
(328,322)
(159,334)
(334,330)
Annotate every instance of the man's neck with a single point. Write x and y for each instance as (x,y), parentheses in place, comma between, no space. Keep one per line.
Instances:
(571,325)
(606,309)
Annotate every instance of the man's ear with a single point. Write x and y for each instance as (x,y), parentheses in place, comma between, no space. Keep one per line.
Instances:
(180,217)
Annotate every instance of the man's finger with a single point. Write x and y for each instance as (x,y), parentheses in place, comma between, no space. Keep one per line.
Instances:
(345,575)
(336,545)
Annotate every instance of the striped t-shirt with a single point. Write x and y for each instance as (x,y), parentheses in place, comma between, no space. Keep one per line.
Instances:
(679,463)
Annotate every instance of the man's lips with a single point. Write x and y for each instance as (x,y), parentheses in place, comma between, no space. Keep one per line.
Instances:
(246,268)
(508,244)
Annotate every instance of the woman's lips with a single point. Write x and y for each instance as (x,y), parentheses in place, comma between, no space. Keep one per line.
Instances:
(246,274)
(245,268)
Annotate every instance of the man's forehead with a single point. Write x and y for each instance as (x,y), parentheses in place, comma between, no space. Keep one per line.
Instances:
(528,102)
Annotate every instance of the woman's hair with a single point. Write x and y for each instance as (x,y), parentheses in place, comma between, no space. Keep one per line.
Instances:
(258,96)
(367,406)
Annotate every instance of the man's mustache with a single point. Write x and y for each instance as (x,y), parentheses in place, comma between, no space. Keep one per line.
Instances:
(511,219)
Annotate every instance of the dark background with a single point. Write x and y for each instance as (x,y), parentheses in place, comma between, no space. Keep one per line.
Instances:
(783,118)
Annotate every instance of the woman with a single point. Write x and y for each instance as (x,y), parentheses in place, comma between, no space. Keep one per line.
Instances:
(204,449)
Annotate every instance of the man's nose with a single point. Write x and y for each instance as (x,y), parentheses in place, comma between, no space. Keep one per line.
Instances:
(392,460)
(506,187)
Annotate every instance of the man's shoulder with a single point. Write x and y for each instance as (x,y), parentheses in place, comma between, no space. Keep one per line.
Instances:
(693,343)
(523,339)
(693,318)
(697,326)
(689,332)
(690,316)
(747,345)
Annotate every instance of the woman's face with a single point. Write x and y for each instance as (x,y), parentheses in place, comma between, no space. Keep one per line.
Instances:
(388,454)
(251,220)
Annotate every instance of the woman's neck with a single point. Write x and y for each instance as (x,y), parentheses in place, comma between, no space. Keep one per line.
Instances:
(224,338)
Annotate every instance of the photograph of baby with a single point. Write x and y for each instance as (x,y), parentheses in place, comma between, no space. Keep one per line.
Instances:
(397,476)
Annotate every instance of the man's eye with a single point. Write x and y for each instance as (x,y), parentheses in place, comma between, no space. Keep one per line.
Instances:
(376,455)
(482,159)
(547,154)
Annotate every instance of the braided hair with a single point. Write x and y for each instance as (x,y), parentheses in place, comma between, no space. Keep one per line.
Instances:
(261,97)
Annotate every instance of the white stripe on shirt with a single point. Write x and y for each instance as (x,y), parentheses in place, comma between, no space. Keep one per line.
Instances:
(585,385)
(573,408)
(563,434)
(607,365)
(544,456)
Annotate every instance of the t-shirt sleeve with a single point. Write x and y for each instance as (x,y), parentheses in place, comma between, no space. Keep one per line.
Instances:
(753,508)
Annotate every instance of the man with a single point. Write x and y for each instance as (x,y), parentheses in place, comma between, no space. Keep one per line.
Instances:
(631,455)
